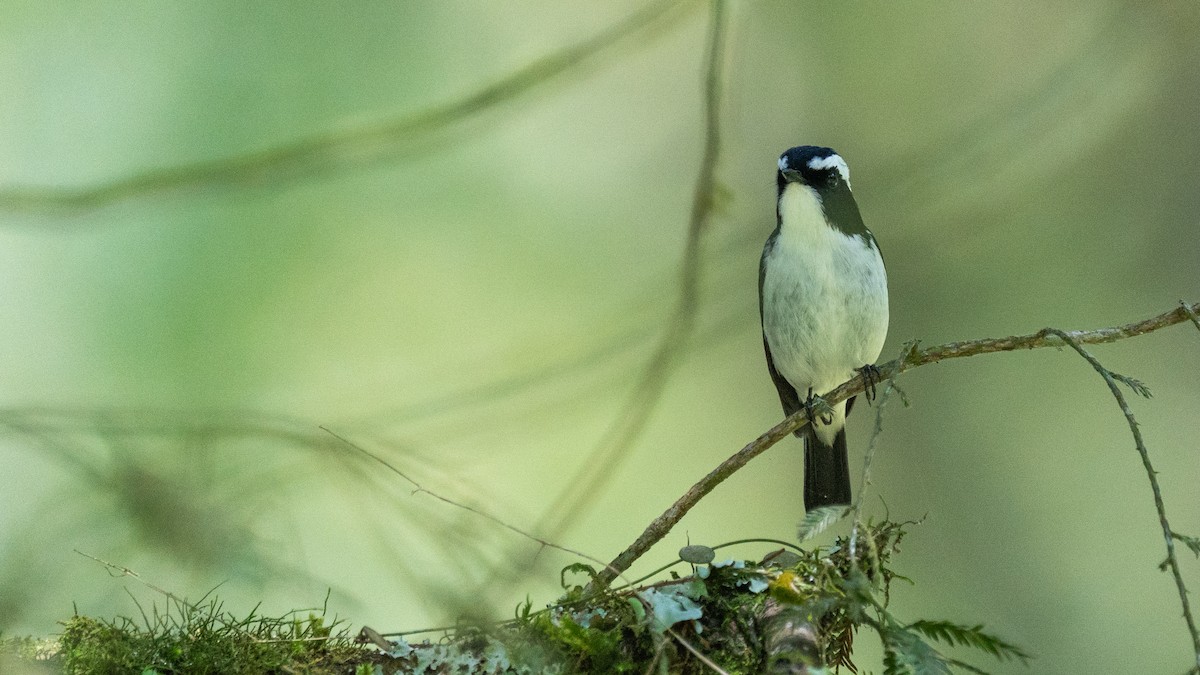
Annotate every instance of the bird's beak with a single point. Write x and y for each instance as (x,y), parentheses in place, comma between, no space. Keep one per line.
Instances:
(793,176)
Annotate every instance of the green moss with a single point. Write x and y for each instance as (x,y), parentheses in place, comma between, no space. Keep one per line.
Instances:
(204,639)
(794,607)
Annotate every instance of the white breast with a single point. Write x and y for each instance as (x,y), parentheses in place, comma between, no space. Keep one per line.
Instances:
(825,310)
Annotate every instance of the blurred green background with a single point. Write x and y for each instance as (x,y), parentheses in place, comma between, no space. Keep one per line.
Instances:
(476,297)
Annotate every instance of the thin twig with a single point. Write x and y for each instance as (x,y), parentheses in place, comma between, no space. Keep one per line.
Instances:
(419,489)
(913,359)
(695,652)
(119,571)
(658,654)
(1172,562)
(880,404)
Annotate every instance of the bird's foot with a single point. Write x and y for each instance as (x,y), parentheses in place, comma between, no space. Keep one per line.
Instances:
(871,376)
(817,409)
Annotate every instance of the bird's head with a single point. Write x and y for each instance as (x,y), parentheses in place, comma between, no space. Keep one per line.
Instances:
(814,166)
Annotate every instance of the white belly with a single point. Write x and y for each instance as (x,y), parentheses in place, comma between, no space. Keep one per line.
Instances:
(825,308)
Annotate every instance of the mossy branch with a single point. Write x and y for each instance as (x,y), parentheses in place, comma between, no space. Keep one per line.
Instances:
(913,358)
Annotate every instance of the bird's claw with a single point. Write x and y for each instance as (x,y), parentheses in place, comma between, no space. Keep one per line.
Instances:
(871,376)
(817,409)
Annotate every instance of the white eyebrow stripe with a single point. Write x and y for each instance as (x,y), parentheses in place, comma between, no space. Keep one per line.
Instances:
(831,162)
(783,163)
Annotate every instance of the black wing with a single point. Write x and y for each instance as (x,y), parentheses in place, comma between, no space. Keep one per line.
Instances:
(787,393)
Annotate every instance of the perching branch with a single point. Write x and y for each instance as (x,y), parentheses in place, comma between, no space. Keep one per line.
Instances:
(915,357)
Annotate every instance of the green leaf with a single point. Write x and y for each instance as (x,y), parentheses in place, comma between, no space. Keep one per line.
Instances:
(639,610)
(969,636)
(782,558)
(576,568)
(905,653)
(817,520)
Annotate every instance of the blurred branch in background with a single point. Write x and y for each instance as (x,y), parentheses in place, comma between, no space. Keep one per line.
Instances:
(198,488)
(616,443)
(1036,132)
(123,456)
(337,149)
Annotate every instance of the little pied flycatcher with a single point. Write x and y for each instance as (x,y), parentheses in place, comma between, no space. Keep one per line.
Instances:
(823,301)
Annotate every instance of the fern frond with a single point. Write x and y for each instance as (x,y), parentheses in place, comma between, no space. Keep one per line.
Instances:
(818,519)
(969,636)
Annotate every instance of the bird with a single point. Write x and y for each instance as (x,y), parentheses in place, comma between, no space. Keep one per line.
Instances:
(823,303)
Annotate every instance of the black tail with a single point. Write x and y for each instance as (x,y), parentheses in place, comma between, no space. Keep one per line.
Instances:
(826,471)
